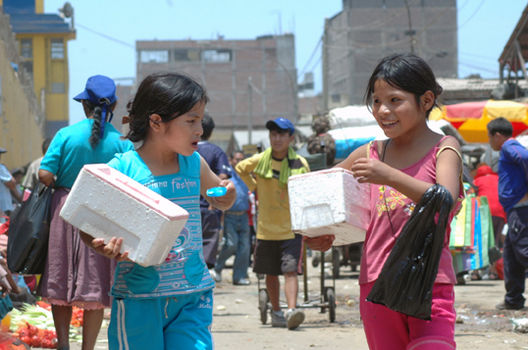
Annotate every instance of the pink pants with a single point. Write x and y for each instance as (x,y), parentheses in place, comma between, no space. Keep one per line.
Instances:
(390,330)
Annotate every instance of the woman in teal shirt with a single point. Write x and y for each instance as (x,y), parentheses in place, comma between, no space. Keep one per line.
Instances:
(74,274)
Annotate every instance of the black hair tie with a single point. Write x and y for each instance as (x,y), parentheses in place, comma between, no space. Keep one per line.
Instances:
(104,101)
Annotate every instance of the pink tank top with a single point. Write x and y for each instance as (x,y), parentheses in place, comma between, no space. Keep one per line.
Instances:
(380,237)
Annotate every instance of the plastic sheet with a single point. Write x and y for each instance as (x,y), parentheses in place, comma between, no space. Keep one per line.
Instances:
(472,238)
(406,281)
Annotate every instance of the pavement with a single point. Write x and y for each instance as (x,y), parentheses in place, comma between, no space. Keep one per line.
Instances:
(237,320)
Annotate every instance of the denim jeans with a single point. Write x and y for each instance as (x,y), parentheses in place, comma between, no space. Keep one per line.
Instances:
(516,256)
(211,225)
(235,241)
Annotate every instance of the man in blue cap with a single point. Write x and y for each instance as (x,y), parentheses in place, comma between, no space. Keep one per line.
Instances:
(278,250)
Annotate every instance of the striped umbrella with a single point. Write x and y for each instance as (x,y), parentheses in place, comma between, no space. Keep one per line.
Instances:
(471,118)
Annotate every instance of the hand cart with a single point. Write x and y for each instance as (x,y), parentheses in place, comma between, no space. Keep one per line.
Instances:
(327,299)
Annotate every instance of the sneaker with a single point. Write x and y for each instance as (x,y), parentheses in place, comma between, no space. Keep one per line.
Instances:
(507,306)
(294,318)
(242,282)
(278,319)
(217,276)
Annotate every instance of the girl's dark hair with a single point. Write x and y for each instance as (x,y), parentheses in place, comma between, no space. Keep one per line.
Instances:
(96,111)
(169,95)
(407,72)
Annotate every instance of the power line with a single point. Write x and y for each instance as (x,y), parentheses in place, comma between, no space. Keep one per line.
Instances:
(463,5)
(472,15)
(77,24)
(477,56)
(478,67)
(311,56)
(316,63)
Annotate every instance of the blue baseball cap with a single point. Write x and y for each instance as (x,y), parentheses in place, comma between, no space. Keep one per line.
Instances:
(281,123)
(99,90)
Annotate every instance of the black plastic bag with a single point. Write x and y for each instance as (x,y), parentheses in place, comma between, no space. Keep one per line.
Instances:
(28,235)
(405,283)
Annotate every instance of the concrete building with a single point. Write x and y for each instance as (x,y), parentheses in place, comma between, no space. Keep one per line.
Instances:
(367,30)
(43,50)
(248,81)
(21,120)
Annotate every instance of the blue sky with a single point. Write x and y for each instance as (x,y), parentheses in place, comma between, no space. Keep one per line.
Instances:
(107,31)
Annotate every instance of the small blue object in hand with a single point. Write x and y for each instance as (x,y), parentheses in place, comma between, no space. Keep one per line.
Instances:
(216,192)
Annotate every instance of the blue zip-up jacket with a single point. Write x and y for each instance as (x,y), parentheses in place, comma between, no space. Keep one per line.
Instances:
(513,173)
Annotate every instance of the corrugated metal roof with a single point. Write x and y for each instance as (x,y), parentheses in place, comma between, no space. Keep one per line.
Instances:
(19,6)
(519,35)
(450,84)
(38,23)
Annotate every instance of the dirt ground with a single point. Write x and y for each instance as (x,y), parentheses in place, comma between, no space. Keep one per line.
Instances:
(237,324)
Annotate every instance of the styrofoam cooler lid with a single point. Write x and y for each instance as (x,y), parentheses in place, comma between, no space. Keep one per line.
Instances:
(134,189)
(320,172)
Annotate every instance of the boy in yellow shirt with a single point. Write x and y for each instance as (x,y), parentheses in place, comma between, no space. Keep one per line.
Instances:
(278,250)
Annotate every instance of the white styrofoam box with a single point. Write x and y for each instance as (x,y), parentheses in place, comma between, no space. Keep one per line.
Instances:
(329,202)
(105,203)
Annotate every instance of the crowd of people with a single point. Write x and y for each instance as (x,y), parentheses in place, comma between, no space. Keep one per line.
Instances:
(170,305)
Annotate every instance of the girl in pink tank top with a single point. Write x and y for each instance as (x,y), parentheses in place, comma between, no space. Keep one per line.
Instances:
(401,93)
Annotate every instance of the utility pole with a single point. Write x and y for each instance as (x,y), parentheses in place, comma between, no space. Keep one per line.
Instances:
(250,110)
(325,66)
(411,31)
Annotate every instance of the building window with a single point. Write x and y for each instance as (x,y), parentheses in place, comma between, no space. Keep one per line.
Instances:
(26,48)
(154,56)
(57,49)
(216,56)
(336,98)
(26,55)
(271,53)
(27,66)
(187,55)
(58,88)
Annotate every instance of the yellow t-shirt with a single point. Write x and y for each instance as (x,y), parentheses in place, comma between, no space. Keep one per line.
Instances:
(273,202)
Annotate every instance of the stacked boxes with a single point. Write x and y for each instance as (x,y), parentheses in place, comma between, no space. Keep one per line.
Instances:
(329,202)
(105,203)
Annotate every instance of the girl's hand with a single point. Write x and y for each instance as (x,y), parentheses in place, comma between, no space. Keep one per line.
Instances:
(226,201)
(320,243)
(111,249)
(371,171)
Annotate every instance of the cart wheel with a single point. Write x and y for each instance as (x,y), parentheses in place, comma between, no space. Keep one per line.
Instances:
(336,263)
(263,305)
(330,297)
(315,260)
